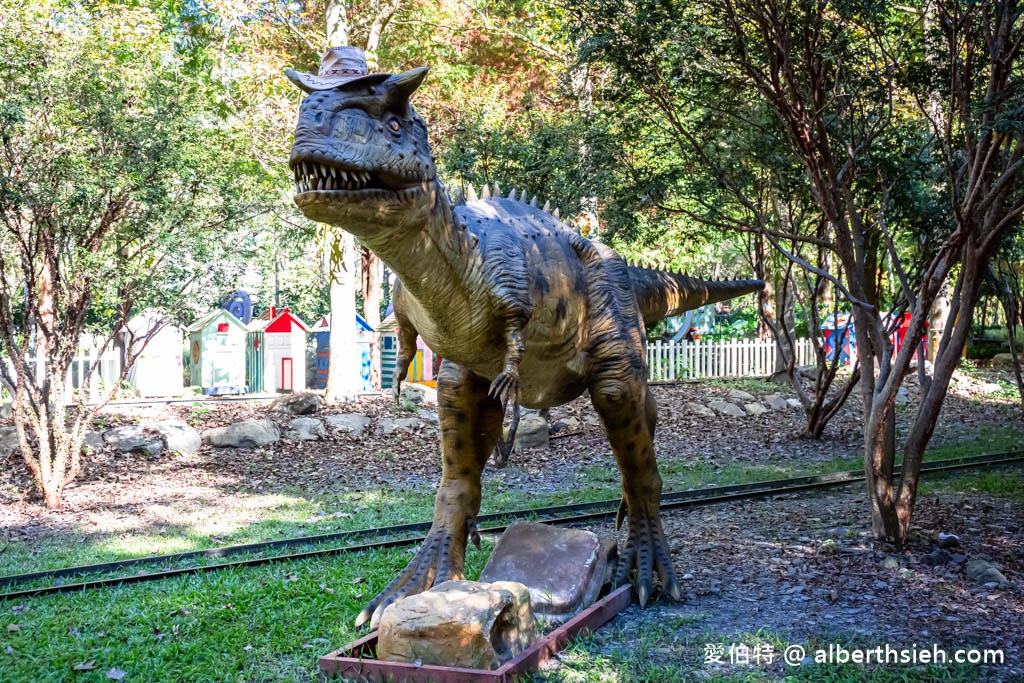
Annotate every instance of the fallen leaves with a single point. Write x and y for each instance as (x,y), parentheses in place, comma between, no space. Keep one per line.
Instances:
(116,674)
(85,666)
(13,628)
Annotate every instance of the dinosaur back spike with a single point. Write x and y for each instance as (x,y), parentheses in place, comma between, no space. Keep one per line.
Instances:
(661,294)
(471,194)
(485,193)
(556,213)
(512,194)
(533,202)
(460,197)
(547,206)
(497,189)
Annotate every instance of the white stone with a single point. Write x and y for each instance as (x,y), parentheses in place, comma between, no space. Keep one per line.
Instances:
(418,394)
(306,429)
(351,423)
(132,438)
(532,432)
(700,409)
(179,436)
(777,402)
(390,425)
(741,396)
(726,408)
(303,403)
(755,408)
(794,404)
(246,434)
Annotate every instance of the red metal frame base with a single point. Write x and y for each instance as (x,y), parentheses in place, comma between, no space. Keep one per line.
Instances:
(355,661)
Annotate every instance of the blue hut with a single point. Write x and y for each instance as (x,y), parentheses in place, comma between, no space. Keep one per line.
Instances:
(364,339)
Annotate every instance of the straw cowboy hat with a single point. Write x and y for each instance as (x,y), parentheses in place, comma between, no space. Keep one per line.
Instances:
(339,66)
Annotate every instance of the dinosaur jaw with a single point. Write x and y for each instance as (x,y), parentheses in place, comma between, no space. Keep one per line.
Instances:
(336,192)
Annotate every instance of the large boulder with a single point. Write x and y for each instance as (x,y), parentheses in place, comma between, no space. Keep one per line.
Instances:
(532,432)
(1003,361)
(726,408)
(463,624)
(564,569)
(777,402)
(349,423)
(246,434)
(132,438)
(9,446)
(304,403)
(417,394)
(741,396)
(390,425)
(982,571)
(306,429)
(179,436)
(699,409)
(755,408)
(92,442)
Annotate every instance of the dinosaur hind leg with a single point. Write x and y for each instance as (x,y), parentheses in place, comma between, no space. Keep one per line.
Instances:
(470,427)
(629,412)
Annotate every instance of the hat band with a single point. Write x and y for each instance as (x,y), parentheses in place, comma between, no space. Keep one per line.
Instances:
(344,72)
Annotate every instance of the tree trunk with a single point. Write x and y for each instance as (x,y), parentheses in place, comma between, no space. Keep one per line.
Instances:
(343,375)
(371,309)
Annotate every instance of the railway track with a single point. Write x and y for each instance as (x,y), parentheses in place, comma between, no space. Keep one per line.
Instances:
(385,537)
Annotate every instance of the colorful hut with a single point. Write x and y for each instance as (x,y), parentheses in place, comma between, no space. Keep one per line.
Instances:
(364,339)
(421,369)
(276,357)
(217,353)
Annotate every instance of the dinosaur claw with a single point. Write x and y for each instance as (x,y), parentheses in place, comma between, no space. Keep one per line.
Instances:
(363,617)
(621,514)
(643,592)
(674,590)
(474,532)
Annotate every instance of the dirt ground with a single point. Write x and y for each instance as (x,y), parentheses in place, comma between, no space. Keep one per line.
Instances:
(795,567)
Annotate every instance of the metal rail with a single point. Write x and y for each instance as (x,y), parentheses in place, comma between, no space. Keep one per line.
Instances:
(560,514)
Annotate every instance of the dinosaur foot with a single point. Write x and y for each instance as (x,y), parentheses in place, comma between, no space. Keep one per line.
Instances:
(505,386)
(440,558)
(647,552)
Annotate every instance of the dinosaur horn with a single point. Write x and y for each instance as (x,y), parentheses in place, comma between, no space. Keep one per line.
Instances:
(485,192)
(471,194)
(401,86)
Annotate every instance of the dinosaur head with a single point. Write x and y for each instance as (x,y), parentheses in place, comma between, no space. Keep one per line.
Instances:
(361,159)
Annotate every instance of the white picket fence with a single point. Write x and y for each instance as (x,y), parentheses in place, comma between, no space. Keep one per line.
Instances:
(105,369)
(700,359)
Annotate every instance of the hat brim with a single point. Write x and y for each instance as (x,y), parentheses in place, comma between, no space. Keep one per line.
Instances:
(314,83)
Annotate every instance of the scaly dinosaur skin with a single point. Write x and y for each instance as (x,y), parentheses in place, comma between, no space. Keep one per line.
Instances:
(520,308)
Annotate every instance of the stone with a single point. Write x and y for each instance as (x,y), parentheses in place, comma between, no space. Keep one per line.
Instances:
(245,434)
(936,557)
(700,409)
(890,561)
(948,540)
(777,402)
(565,424)
(418,394)
(1003,361)
(303,403)
(929,367)
(464,624)
(429,417)
(902,396)
(755,408)
(741,396)
(794,404)
(808,371)
(390,425)
(9,446)
(563,568)
(306,429)
(726,408)
(985,387)
(982,571)
(92,442)
(532,432)
(351,423)
(6,410)
(132,438)
(179,436)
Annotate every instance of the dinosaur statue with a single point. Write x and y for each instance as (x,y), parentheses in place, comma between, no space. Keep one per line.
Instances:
(521,308)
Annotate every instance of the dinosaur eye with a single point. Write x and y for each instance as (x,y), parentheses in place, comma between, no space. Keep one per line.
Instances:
(394,125)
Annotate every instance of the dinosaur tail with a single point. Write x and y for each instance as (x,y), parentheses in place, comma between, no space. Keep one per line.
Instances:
(662,294)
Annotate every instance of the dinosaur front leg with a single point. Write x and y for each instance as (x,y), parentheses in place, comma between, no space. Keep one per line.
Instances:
(629,414)
(470,426)
(406,352)
(505,386)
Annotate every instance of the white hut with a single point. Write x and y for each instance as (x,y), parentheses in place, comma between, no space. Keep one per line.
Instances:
(157,370)
(284,350)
